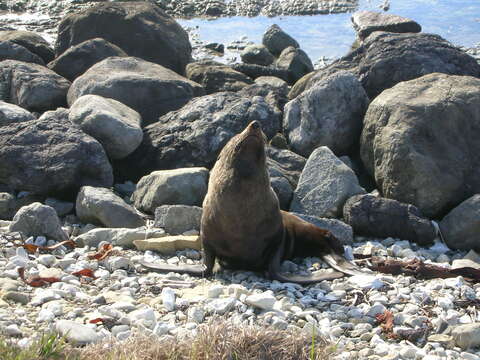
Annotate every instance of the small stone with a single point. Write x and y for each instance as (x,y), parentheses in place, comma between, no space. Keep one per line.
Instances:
(113,263)
(17,297)
(264,301)
(215,291)
(196,314)
(221,306)
(45,315)
(144,316)
(376,309)
(467,336)
(13,330)
(47,260)
(117,329)
(76,333)
(168,299)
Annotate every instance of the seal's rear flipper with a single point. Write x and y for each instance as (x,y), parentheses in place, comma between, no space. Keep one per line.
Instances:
(196,270)
(339,263)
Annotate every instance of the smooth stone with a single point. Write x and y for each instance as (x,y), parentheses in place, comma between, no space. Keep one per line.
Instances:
(76,333)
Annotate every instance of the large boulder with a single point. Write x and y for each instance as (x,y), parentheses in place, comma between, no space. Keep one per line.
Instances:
(79,58)
(296,62)
(324,186)
(116,126)
(255,71)
(195,134)
(150,89)
(276,40)
(7,206)
(141,29)
(328,114)
(50,156)
(38,220)
(10,113)
(171,187)
(31,41)
(257,54)
(101,206)
(385,59)
(461,226)
(177,219)
(379,217)
(284,168)
(32,86)
(366,22)
(11,51)
(420,144)
(216,77)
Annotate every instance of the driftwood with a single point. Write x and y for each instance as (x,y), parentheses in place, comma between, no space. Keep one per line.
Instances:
(418,268)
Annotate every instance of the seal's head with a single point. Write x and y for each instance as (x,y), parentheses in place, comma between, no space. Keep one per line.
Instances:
(245,152)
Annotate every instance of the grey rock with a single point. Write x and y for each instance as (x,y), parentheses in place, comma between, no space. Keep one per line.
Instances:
(195,134)
(283,163)
(38,220)
(276,40)
(116,126)
(296,62)
(31,41)
(343,232)
(385,59)
(328,114)
(273,81)
(283,189)
(150,89)
(177,219)
(255,71)
(324,186)
(274,96)
(257,54)
(461,226)
(79,58)
(7,206)
(49,156)
(221,306)
(216,77)
(466,336)
(32,86)
(264,301)
(102,206)
(366,22)
(140,29)
(17,297)
(186,186)
(418,142)
(62,208)
(77,334)
(379,217)
(11,51)
(10,113)
(122,237)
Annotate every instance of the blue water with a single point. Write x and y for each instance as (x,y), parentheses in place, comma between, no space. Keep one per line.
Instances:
(331,35)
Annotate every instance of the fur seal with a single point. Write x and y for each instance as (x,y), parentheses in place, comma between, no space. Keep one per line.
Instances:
(243,227)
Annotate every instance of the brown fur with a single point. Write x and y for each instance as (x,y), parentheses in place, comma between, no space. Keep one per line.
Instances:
(242,225)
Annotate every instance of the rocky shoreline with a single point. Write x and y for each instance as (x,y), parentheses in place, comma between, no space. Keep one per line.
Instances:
(107,138)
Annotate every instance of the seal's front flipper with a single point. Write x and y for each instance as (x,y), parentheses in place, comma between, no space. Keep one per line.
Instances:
(339,263)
